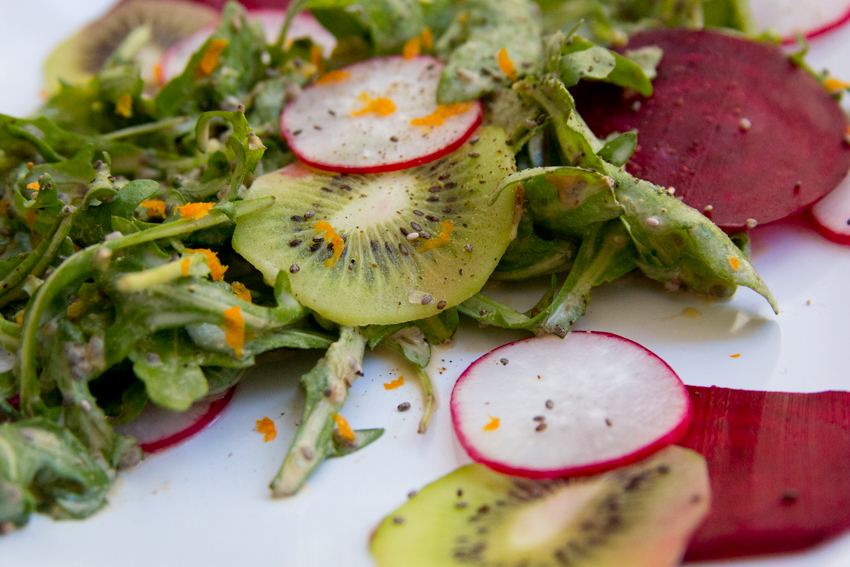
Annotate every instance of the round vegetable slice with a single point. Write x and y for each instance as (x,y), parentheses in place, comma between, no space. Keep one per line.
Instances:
(551,407)
(832,214)
(639,516)
(390,247)
(376,116)
(727,127)
(157,429)
(304,25)
(790,17)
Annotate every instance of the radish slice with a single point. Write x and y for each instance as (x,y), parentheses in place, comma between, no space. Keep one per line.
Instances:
(790,17)
(376,116)
(304,25)
(156,428)
(832,214)
(551,407)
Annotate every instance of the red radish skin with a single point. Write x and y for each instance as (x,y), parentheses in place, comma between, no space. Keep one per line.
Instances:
(728,126)
(778,465)
(791,17)
(154,436)
(831,215)
(326,126)
(642,394)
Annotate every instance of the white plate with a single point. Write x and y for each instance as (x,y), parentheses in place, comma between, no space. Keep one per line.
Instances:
(206,502)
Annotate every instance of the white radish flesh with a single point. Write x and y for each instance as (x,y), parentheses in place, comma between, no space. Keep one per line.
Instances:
(377,116)
(832,214)
(791,17)
(304,25)
(551,407)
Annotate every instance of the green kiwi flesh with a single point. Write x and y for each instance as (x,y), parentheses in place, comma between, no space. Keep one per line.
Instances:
(385,275)
(81,56)
(638,516)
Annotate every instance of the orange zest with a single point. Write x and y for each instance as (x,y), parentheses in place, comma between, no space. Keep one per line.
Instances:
(393,384)
(336,76)
(158,75)
(427,39)
(216,269)
(209,60)
(124,106)
(412,48)
(734,263)
(267,428)
(184,267)
(735,355)
(335,239)
(446,228)
(19,318)
(443,112)
(194,211)
(34,186)
(834,85)
(241,292)
(380,105)
(506,65)
(155,207)
(343,427)
(493,425)
(234,329)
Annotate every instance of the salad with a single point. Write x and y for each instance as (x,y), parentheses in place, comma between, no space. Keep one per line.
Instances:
(316,336)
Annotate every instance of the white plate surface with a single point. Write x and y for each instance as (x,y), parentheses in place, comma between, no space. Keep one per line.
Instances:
(206,502)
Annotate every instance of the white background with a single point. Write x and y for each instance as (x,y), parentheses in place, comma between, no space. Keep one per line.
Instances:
(207,503)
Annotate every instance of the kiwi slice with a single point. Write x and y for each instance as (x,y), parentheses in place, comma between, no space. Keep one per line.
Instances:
(643,514)
(159,23)
(385,248)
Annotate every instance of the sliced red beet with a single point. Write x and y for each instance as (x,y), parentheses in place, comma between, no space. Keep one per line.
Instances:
(157,429)
(733,125)
(779,465)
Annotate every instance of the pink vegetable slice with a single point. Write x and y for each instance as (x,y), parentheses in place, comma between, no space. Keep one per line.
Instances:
(733,125)
(779,466)
(304,25)
(157,429)
(791,17)
(832,214)
(377,116)
(550,407)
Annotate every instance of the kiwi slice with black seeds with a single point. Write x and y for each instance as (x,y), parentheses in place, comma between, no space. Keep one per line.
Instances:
(385,248)
(82,56)
(641,515)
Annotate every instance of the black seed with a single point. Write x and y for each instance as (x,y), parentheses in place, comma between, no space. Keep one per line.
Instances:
(461,505)
(426,299)
(294,243)
(403,249)
(393,139)
(450,185)
(388,247)
(541,427)
(316,127)
(398,520)
(444,176)
(412,493)
(539,418)
(327,189)
(474,154)
(315,247)
(403,231)
(434,189)
(309,214)
(432,218)
(790,497)
(327,392)
(509,141)
(318,239)
(504,361)
(296,218)
(474,140)
(608,422)
(415,226)
(374,245)
(484,509)
(441,305)
(296,132)
(404,406)
(433,199)
(418,213)
(468,247)
(294,269)
(359,372)
(663,469)
(331,112)
(345,187)
(343,237)
(330,245)
(550,404)
(425,235)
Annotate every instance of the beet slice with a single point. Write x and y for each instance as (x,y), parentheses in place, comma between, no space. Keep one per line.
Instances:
(778,465)
(733,125)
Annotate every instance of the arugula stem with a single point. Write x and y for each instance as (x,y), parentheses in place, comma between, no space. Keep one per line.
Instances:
(163,124)
(327,388)
(429,398)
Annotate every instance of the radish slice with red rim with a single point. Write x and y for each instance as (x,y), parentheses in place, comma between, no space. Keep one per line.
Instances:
(156,429)
(832,214)
(376,116)
(791,17)
(304,25)
(551,407)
